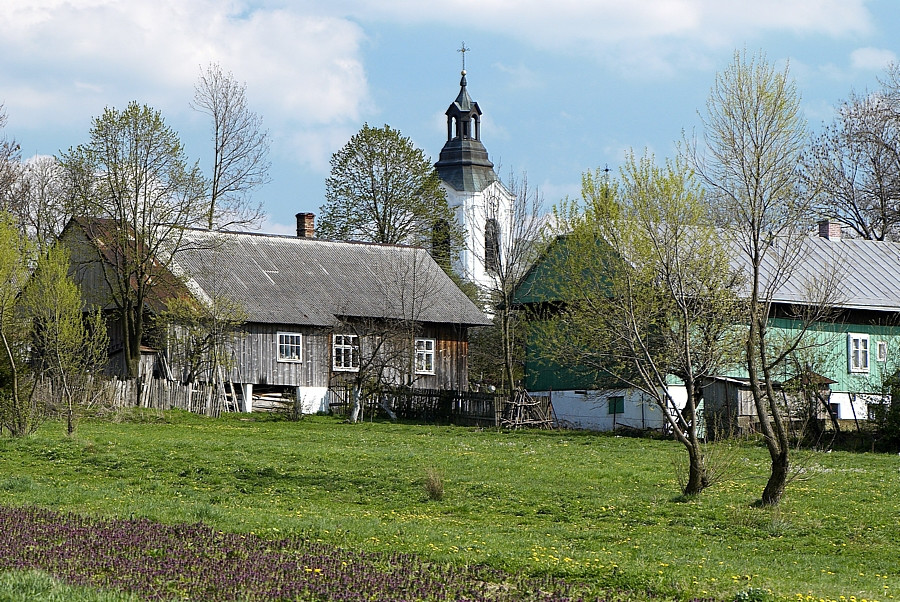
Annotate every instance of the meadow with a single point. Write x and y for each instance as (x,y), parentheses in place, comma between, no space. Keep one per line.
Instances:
(599,511)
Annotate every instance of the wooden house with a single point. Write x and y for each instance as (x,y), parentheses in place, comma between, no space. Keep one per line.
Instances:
(313,313)
(852,354)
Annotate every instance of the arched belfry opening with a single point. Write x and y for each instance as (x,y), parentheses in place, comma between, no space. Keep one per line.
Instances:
(463,116)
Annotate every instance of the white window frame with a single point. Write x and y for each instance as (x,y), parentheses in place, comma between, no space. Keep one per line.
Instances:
(425,356)
(857,353)
(344,346)
(290,342)
(882,351)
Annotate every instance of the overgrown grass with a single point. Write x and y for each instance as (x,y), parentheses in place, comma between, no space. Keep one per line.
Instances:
(35,586)
(599,509)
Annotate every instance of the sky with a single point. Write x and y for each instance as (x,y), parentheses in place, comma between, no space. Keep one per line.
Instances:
(565,86)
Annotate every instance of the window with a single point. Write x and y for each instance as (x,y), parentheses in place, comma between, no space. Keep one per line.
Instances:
(424,356)
(882,351)
(492,245)
(290,347)
(345,352)
(616,404)
(858,352)
(835,409)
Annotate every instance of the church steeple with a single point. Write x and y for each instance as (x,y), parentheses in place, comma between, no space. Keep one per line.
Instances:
(463,162)
(463,116)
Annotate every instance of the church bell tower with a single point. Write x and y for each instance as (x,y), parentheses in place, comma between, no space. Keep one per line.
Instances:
(481,203)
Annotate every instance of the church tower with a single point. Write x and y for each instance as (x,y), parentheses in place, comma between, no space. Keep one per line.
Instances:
(482,204)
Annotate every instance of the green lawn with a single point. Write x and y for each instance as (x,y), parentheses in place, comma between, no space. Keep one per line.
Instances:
(593,508)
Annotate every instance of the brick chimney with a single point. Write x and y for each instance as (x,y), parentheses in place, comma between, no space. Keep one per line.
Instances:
(829,229)
(306,225)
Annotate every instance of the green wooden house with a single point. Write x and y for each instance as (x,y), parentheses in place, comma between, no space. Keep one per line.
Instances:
(850,357)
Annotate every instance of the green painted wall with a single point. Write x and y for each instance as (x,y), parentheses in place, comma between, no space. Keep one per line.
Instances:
(826,349)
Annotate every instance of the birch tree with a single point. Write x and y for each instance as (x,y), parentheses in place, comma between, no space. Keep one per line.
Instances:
(377,351)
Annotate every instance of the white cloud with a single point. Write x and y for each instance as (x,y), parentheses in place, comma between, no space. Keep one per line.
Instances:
(871,59)
(639,36)
(81,55)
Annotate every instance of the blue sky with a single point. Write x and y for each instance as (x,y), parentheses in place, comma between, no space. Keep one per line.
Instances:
(565,86)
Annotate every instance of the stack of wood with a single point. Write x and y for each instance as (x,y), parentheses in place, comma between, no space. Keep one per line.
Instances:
(525,411)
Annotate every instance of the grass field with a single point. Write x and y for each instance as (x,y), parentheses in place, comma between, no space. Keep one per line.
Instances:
(597,509)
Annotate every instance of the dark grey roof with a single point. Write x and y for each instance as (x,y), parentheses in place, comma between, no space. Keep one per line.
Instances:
(463,162)
(286,280)
(866,272)
(464,165)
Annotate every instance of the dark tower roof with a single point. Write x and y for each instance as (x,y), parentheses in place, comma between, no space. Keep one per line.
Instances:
(464,162)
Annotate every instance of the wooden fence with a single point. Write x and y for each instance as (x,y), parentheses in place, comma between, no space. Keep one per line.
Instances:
(208,400)
(427,405)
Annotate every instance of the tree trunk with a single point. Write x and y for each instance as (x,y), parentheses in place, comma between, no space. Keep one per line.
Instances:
(777,479)
(506,337)
(357,404)
(698,480)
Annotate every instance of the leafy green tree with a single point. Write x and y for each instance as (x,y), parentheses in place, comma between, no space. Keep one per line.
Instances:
(20,411)
(69,349)
(133,174)
(383,189)
(647,293)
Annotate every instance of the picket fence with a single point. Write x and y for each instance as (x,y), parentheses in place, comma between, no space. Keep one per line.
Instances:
(160,394)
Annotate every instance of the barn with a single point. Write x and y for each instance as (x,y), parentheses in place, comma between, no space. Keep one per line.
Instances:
(313,314)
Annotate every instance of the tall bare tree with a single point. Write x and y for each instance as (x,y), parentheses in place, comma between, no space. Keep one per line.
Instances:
(134,177)
(9,167)
(515,235)
(755,136)
(46,203)
(240,149)
(853,167)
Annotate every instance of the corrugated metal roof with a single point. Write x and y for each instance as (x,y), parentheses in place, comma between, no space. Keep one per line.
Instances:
(287,280)
(865,273)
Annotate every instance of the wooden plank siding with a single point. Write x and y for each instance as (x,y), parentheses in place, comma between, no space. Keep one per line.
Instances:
(255,357)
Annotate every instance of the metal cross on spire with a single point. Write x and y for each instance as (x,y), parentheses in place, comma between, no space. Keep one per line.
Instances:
(464,50)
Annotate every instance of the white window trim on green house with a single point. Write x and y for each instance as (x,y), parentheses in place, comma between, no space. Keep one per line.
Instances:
(882,351)
(857,353)
(290,347)
(425,356)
